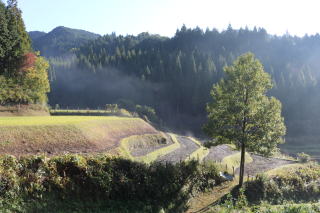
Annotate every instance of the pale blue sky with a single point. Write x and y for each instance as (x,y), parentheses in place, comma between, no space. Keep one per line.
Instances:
(165,16)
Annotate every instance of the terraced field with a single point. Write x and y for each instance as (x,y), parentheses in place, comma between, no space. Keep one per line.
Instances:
(187,147)
(146,144)
(257,164)
(131,138)
(127,137)
(218,153)
(225,155)
(262,164)
(67,134)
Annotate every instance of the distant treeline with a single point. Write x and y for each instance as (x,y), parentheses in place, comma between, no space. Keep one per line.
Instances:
(174,75)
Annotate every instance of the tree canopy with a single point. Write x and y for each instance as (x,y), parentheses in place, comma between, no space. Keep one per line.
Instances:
(23,74)
(241,113)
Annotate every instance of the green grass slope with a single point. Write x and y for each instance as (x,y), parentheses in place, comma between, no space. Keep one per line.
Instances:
(60,134)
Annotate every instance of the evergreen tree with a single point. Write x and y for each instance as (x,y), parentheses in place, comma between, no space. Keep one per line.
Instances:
(4,33)
(23,75)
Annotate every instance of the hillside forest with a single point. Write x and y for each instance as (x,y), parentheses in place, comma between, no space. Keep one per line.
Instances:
(174,75)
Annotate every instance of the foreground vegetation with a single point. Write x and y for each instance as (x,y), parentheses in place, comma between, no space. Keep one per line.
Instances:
(294,184)
(101,183)
(265,208)
(75,183)
(293,188)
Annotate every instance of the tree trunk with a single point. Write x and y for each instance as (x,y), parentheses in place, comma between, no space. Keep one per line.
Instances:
(243,152)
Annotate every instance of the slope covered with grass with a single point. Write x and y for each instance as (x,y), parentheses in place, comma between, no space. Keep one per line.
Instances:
(59,134)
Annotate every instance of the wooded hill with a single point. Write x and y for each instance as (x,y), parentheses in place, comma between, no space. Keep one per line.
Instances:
(174,75)
(60,40)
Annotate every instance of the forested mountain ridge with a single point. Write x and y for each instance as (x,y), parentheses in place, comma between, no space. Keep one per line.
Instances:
(36,34)
(174,75)
(60,40)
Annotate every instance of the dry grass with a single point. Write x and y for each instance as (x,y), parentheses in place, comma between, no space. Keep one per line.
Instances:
(200,153)
(55,120)
(145,142)
(119,112)
(203,201)
(59,134)
(233,161)
(282,170)
(150,157)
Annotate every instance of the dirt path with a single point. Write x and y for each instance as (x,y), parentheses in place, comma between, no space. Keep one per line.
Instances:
(186,148)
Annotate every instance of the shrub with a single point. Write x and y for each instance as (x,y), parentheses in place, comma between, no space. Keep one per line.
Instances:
(89,183)
(298,185)
(303,157)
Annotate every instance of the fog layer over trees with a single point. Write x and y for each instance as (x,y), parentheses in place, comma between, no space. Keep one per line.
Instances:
(175,75)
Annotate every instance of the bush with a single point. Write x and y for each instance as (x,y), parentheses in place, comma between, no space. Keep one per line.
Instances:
(113,108)
(99,184)
(297,185)
(303,157)
(265,208)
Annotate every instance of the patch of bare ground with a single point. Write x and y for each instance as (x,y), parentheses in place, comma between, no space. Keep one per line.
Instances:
(217,153)
(259,164)
(187,147)
(262,164)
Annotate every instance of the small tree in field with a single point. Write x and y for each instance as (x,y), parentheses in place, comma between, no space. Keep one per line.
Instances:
(242,114)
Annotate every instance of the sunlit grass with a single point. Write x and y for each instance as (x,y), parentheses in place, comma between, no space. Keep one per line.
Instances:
(55,134)
(200,153)
(83,111)
(283,170)
(233,161)
(152,156)
(55,120)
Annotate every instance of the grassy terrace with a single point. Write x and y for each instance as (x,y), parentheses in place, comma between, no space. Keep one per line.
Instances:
(91,112)
(59,134)
(148,158)
(200,153)
(233,161)
(55,120)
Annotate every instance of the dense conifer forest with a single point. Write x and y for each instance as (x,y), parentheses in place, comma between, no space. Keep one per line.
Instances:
(174,75)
